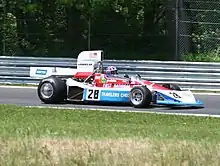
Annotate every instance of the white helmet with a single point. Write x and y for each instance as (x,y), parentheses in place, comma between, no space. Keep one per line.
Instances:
(112,70)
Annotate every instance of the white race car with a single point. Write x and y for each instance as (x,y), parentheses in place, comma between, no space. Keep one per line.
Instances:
(89,83)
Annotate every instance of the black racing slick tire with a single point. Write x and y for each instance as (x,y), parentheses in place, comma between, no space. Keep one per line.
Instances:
(140,97)
(52,90)
(172,87)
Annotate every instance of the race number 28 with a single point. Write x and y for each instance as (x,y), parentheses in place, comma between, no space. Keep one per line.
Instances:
(93,94)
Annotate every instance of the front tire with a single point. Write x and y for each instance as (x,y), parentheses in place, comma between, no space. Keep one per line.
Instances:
(140,97)
(51,90)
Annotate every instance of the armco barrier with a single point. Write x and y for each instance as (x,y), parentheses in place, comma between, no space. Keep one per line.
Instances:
(192,75)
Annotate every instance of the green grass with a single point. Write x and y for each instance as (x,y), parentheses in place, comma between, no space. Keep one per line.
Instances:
(37,122)
(43,136)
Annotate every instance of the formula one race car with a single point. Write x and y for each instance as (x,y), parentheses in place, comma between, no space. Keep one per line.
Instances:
(90,83)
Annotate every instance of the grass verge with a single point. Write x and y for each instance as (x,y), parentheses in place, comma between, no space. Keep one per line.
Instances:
(41,136)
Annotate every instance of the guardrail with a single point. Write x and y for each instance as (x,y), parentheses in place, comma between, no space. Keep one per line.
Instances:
(193,75)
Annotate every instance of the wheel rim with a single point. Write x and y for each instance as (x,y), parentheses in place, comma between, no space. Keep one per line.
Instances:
(137,97)
(46,90)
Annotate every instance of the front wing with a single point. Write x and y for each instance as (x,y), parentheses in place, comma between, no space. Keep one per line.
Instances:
(177,98)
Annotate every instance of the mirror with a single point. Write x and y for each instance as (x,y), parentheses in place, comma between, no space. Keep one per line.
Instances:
(126,76)
(138,76)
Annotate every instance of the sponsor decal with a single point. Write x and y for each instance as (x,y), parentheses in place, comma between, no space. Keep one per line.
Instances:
(111,80)
(41,72)
(121,86)
(84,64)
(107,85)
(102,79)
(115,94)
(116,85)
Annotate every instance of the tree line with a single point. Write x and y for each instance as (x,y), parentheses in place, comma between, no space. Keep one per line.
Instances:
(132,29)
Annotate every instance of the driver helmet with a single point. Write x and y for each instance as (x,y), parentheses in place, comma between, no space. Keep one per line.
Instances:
(111,71)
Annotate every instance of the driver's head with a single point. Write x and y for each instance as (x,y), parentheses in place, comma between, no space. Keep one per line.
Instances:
(111,70)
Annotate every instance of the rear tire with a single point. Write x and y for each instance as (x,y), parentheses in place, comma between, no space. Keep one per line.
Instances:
(140,97)
(51,90)
(172,87)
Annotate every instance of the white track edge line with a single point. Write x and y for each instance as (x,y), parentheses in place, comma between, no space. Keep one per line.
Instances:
(112,110)
(18,87)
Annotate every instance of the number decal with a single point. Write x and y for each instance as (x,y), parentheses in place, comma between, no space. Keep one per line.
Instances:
(90,93)
(93,94)
(96,94)
(175,95)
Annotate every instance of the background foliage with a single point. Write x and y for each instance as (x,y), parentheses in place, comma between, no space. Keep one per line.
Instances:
(199,34)
(122,28)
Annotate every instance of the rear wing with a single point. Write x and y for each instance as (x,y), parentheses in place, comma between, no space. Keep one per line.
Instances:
(87,61)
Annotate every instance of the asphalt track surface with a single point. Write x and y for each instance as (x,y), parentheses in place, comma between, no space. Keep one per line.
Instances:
(28,97)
